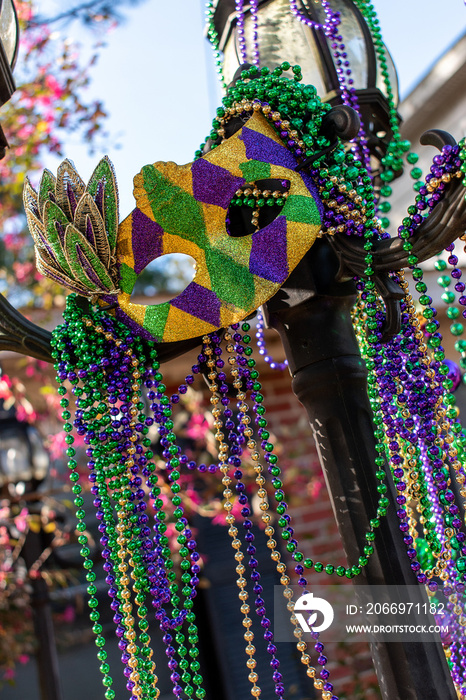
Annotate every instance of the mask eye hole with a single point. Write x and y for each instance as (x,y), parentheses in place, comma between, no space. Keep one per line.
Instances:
(168,274)
(255,206)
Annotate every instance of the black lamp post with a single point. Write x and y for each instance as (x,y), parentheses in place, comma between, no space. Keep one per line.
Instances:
(312,314)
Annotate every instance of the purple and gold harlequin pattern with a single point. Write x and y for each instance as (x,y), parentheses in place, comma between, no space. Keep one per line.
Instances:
(183,209)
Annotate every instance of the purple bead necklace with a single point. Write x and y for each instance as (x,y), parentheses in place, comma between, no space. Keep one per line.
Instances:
(262,346)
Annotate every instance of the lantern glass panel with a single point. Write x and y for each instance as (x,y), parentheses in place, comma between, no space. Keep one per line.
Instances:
(352,36)
(8,29)
(15,458)
(39,455)
(281,38)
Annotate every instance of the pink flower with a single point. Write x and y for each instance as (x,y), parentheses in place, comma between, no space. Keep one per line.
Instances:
(26,414)
(197,427)
(193,495)
(21,520)
(315,487)
(5,392)
(57,445)
(54,86)
(24,10)
(69,614)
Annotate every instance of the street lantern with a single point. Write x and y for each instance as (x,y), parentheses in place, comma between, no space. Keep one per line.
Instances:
(282,36)
(24,461)
(24,464)
(9,36)
(9,39)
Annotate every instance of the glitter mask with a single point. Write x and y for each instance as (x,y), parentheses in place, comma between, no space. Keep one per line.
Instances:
(183,209)
(180,209)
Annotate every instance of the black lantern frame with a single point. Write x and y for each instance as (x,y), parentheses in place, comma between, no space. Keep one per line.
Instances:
(8,55)
(7,62)
(28,464)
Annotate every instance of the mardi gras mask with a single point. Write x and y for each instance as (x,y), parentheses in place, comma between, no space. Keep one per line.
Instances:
(180,209)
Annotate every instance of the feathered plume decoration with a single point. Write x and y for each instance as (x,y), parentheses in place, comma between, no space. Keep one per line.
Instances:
(75,228)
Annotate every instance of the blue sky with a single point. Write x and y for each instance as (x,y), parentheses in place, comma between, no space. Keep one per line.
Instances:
(156,77)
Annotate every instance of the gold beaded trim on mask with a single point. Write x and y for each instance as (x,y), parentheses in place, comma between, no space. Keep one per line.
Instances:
(358,215)
(252,190)
(239,108)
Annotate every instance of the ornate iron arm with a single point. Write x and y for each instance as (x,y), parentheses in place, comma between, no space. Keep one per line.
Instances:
(445,224)
(17,334)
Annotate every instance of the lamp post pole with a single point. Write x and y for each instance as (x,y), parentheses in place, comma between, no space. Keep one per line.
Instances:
(46,654)
(312,314)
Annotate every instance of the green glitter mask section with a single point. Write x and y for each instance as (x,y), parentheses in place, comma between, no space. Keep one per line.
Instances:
(301,209)
(255,170)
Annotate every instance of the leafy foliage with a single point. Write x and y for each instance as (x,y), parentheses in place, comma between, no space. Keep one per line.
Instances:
(89,13)
(48,107)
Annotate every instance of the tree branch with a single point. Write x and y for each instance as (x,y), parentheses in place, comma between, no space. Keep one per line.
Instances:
(90,10)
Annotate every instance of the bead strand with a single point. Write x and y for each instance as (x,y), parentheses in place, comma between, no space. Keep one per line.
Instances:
(247,431)
(243,595)
(261,345)
(251,376)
